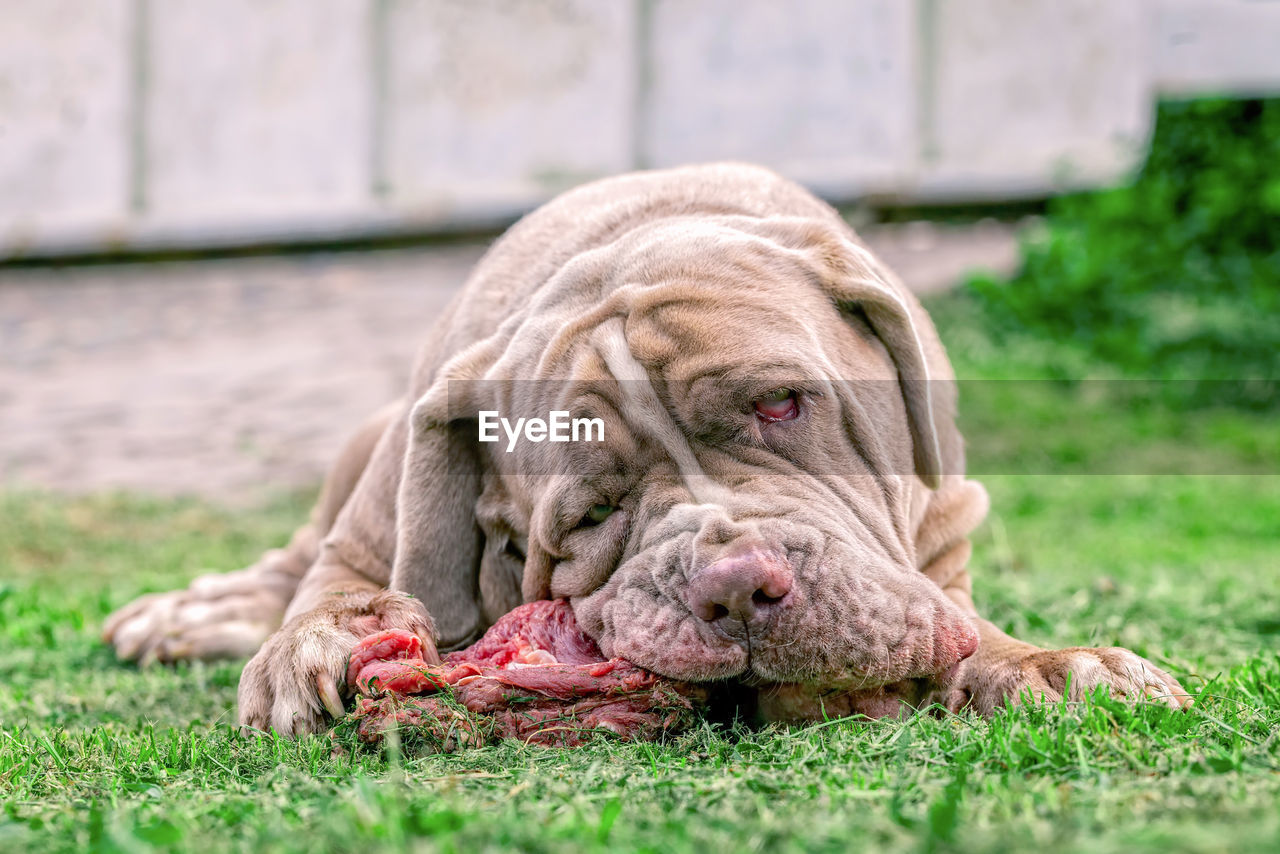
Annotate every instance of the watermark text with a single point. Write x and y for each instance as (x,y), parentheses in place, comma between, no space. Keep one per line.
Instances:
(557,427)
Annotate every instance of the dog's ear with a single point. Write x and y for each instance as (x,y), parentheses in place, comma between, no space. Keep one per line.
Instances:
(438,543)
(857,281)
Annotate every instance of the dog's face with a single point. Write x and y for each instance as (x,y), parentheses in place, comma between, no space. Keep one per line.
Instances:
(747,512)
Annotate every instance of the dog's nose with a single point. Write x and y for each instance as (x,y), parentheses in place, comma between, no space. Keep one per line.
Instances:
(747,587)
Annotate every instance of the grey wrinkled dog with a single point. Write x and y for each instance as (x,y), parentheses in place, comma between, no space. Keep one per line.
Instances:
(779,498)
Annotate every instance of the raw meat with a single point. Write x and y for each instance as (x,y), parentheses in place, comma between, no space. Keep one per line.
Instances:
(533,676)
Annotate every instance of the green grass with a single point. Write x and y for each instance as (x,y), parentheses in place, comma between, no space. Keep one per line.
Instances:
(1185,569)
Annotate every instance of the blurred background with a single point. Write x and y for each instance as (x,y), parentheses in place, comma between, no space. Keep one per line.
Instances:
(225,226)
(192,123)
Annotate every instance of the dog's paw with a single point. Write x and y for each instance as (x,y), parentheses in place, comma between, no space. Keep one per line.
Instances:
(1049,675)
(221,615)
(299,676)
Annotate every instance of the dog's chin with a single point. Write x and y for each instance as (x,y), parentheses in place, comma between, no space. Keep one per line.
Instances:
(743,667)
(749,697)
(692,663)
(798,702)
(789,697)
(688,655)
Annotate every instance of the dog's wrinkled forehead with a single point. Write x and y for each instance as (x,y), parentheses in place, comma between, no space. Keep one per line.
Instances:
(710,267)
(645,411)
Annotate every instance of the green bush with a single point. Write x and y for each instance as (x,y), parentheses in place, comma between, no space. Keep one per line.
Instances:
(1175,276)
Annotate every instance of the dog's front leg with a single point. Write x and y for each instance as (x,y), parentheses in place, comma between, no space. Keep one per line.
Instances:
(298,678)
(1006,669)
(219,615)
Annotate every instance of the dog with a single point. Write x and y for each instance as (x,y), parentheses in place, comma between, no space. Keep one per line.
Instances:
(771,491)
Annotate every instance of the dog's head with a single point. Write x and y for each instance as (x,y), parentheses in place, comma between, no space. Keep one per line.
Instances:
(770,405)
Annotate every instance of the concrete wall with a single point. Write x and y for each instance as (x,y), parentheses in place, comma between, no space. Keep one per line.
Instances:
(150,123)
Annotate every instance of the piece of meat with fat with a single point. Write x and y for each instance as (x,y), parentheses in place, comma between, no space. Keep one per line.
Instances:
(534,676)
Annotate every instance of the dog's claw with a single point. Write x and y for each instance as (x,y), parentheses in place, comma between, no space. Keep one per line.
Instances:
(329,695)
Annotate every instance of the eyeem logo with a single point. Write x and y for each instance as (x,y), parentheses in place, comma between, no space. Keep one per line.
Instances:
(559,427)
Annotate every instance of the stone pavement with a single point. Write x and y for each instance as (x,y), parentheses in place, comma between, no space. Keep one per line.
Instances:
(236,379)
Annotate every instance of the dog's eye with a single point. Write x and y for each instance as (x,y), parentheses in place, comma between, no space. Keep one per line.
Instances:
(598,513)
(778,405)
